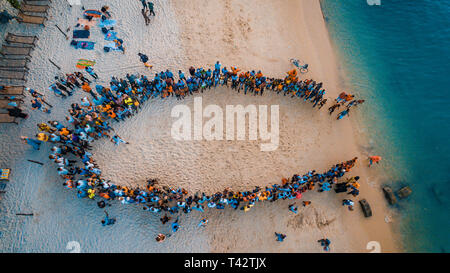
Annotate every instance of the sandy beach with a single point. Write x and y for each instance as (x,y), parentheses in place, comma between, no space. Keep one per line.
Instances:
(255,34)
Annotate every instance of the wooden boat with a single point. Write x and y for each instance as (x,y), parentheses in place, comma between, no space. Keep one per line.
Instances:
(389,194)
(365,207)
(404,192)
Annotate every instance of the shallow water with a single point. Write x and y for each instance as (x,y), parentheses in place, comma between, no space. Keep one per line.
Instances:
(397,56)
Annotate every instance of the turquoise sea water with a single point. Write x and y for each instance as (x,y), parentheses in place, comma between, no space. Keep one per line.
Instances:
(397,56)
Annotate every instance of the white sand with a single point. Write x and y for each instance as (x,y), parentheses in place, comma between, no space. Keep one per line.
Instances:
(252,34)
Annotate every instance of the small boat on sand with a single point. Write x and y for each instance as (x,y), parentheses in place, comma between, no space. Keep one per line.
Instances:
(389,194)
(365,207)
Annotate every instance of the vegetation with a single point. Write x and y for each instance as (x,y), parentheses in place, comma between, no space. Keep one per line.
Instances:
(14,3)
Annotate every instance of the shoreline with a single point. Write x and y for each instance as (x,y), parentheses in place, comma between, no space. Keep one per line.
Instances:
(310,36)
(381,231)
(395,240)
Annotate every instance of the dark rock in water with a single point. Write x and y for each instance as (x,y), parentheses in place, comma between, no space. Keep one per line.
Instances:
(365,208)
(404,192)
(389,194)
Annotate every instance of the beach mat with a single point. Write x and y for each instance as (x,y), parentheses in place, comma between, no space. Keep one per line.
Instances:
(107,23)
(111,36)
(82,63)
(81,34)
(112,46)
(86,22)
(83,45)
(93,13)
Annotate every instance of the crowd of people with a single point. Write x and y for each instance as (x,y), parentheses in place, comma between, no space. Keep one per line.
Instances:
(91,119)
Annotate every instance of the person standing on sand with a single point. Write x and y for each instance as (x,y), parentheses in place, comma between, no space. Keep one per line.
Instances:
(101,204)
(325,187)
(175,226)
(203,222)
(146,16)
(322,103)
(144,59)
(374,159)
(119,45)
(108,221)
(334,107)
(353,181)
(144,4)
(105,12)
(280,236)
(86,88)
(37,105)
(91,72)
(151,8)
(81,77)
(341,97)
(358,102)
(36,144)
(116,139)
(165,219)
(73,80)
(160,238)
(349,203)
(343,114)
(293,208)
(325,243)
(354,191)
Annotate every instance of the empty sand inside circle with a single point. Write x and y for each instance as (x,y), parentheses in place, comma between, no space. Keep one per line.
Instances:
(210,166)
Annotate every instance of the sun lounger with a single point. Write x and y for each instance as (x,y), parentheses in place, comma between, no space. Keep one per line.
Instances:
(21,39)
(30,19)
(14,63)
(12,75)
(16,50)
(13,91)
(5,118)
(4,103)
(34,8)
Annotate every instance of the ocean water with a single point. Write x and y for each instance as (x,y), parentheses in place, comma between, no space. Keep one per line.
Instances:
(397,56)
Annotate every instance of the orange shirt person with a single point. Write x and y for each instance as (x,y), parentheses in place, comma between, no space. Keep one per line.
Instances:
(111,114)
(349,98)
(86,87)
(292,73)
(374,159)
(64,132)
